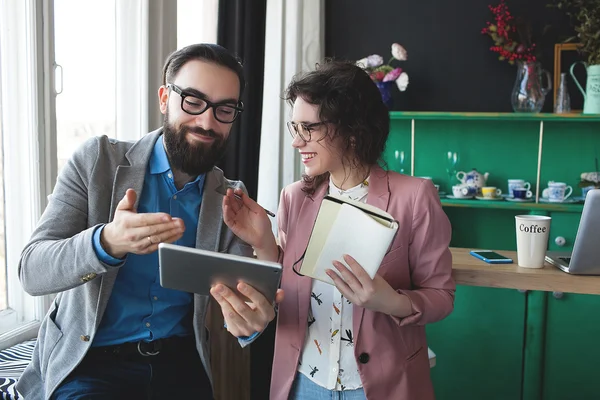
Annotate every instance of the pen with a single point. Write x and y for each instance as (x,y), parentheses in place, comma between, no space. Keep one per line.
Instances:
(237,196)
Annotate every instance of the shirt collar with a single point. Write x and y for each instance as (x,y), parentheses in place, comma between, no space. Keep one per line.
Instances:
(159,162)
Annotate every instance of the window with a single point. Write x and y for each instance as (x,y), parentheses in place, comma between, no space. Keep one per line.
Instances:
(109,57)
(3,270)
(23,94)
(190,28)
(86,78)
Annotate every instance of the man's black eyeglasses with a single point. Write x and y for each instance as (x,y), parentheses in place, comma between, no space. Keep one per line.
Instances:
(303,130)
(194,105)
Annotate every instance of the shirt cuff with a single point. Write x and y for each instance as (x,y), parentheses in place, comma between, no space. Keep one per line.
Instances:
(100,252)
(248,338)
(245,338)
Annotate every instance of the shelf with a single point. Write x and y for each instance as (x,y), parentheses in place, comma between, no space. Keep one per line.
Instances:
(470,271)
(507,205)
(474,116)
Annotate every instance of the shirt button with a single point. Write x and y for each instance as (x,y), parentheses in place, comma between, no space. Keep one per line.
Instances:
(155,298)
(334,369)
(170,175)
(147,324)
(175,197)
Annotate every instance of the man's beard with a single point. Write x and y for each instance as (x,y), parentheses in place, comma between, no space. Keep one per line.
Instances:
(192,159)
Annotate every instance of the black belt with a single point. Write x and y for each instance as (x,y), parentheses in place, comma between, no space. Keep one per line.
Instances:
(168,346)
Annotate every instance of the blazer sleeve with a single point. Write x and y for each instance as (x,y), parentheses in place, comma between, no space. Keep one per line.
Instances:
(430,260)
(60,254)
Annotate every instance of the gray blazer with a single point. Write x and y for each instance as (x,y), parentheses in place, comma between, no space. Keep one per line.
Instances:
(60,257)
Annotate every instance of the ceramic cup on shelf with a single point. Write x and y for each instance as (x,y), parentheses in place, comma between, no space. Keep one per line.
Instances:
(490,192)
(585,190)
(522,193)
(460,191)
(556,192)
(532,239)
(518,183)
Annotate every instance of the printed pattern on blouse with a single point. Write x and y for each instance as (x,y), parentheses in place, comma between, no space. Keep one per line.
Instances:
(328,353)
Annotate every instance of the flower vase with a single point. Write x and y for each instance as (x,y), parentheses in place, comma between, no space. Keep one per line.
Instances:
(385,88)
(528,94)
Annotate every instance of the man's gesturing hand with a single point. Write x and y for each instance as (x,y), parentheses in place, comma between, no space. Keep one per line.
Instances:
(130,232)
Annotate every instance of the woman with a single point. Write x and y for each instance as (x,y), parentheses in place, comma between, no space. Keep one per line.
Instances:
(363,337)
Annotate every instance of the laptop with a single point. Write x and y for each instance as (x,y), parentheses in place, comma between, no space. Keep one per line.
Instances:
(585,257)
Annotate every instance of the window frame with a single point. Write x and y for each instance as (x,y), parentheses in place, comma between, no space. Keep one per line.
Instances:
(29,160)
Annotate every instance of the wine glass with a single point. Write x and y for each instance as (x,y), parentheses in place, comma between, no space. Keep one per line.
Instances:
(400,159)
(452,160)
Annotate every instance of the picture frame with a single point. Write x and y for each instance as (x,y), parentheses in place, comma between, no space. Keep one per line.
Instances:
(559,48)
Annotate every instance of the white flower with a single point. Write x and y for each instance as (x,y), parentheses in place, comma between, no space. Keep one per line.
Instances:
(399,52)
(374,60)
(402,81)
(363,63)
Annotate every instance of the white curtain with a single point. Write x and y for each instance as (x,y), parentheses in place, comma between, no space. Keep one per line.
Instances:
(294,42)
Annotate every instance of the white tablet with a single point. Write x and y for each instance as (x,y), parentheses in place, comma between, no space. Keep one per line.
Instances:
(196,271)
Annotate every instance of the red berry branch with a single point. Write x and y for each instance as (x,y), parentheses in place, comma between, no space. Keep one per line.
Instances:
(503,33)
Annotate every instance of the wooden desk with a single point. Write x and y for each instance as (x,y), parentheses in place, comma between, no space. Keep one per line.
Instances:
(470,271)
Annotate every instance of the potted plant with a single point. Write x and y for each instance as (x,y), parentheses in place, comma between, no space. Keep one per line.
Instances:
(385,75)
(585,16)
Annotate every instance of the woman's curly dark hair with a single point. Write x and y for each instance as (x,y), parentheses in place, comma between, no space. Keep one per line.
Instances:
(349,100)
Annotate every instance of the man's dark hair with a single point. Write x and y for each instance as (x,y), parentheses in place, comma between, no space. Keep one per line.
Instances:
(203,52)
(351,103)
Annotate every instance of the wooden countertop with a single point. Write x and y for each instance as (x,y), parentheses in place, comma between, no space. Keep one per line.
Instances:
(470,271)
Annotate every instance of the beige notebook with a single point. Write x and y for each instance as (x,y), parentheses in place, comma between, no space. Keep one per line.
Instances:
(345,226)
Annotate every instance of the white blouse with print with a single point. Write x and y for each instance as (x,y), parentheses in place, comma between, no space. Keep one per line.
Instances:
(328,354)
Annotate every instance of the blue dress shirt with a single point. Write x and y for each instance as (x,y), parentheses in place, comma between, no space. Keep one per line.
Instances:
(139,308)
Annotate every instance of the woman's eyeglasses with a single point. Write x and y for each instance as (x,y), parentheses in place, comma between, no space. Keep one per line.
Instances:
(305,131)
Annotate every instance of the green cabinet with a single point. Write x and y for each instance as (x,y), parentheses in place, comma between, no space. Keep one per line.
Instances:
(503,343)
(571,351)
(479,346)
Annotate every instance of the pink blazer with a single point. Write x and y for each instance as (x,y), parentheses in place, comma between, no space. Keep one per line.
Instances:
(391,353)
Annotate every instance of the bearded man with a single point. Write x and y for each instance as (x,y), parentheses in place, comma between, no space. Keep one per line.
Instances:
(112,331)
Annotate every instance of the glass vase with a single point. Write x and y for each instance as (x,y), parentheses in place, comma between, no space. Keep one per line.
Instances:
(563,101)
(528,95)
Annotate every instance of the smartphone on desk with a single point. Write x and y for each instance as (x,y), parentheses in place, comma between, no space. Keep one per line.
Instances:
(491,257)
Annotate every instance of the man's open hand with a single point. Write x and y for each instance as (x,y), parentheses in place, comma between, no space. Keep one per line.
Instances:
(130,232)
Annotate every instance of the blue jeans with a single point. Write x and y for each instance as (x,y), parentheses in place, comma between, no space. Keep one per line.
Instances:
(305,389)
(148,379)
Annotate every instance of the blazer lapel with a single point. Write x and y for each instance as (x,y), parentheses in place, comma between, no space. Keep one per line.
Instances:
(210,220)
(127,177)
(132,176)
(379,189)
(379,196)
(308,214)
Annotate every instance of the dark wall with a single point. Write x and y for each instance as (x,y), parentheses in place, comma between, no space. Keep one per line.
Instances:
(449,62)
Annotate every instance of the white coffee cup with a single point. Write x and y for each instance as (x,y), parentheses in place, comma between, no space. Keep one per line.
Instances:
(532,239)
(460,191)
(557,191)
